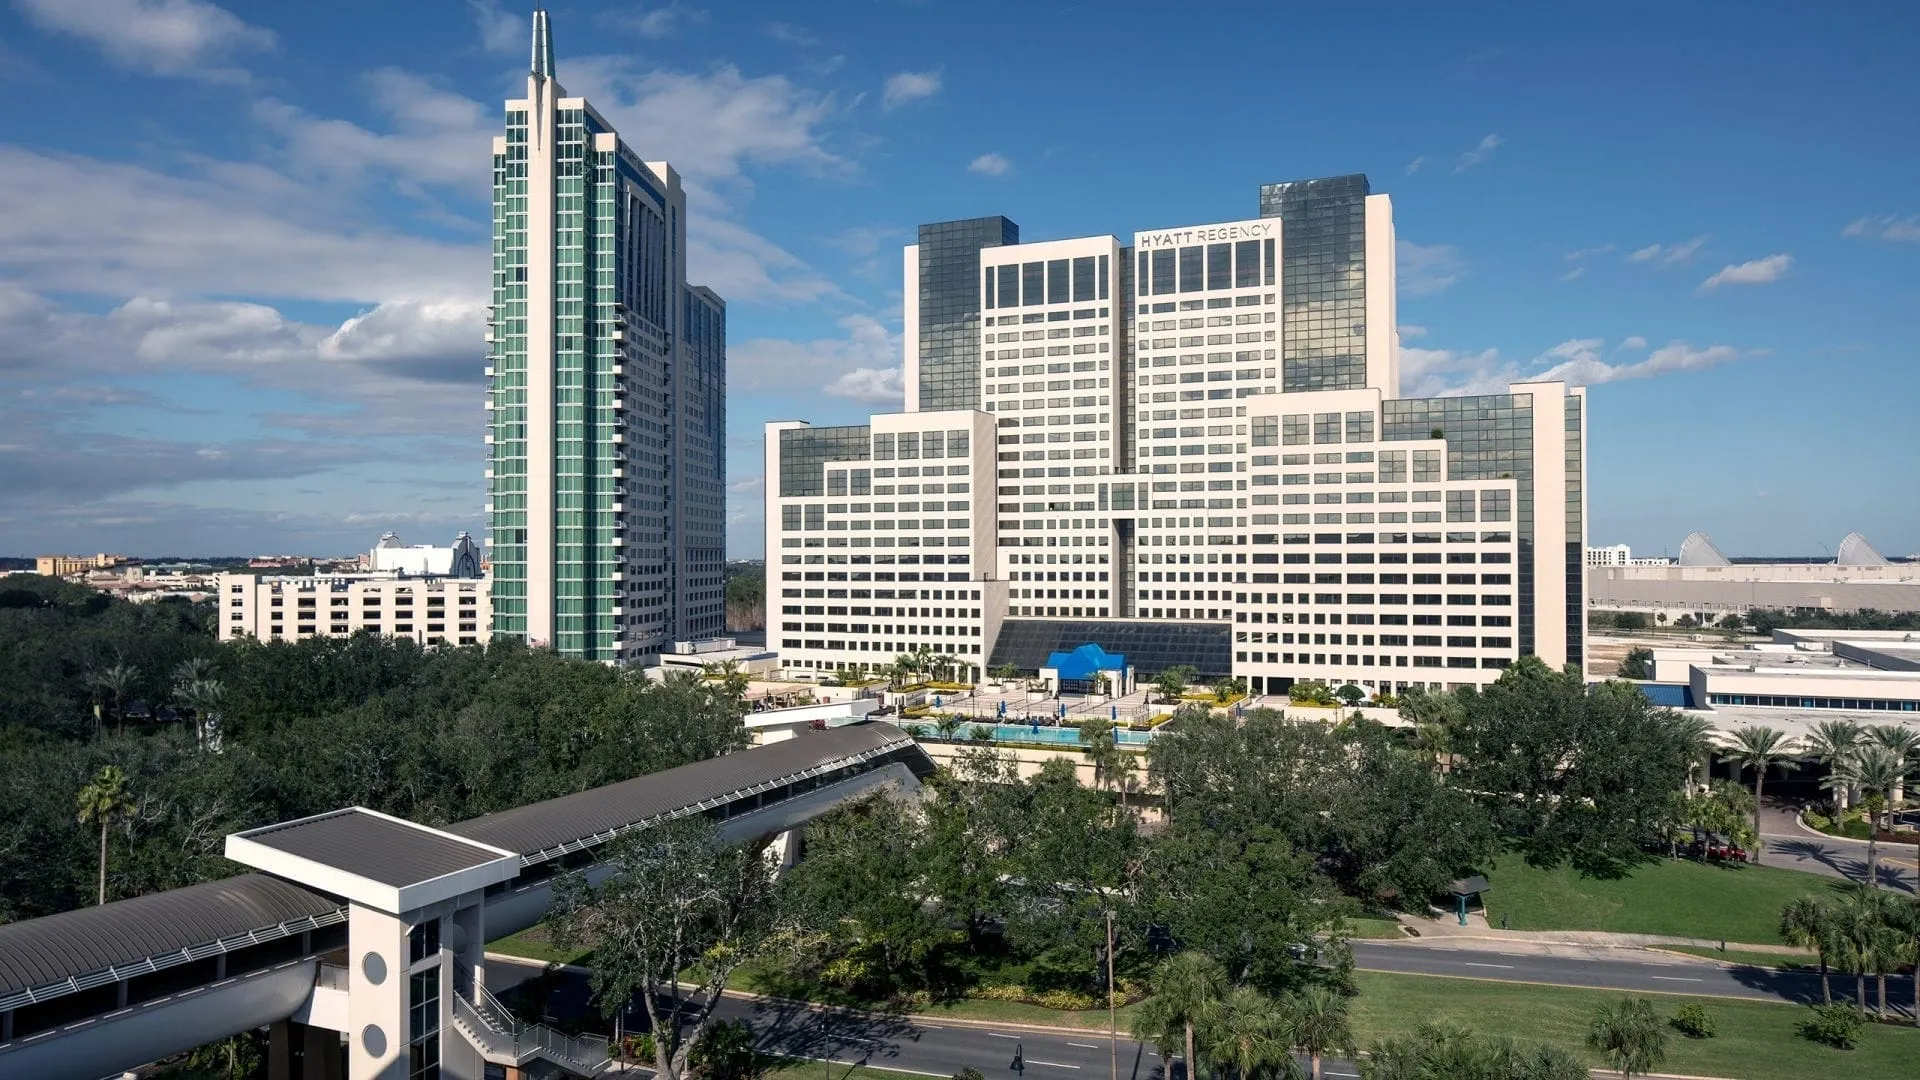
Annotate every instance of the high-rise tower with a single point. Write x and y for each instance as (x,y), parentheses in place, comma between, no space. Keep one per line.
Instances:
(606,389)
(943,311)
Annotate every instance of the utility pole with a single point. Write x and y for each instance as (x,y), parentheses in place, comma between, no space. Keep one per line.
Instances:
(1113,1024)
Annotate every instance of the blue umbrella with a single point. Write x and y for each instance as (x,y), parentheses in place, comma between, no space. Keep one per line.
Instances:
(1003,708)
(1113,711)
(936,701)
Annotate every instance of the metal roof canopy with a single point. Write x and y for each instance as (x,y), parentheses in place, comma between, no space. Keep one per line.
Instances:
(88,947)
(384,862)
(77,950)
(546,830)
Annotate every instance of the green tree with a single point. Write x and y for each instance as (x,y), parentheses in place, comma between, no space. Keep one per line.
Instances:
(116,683)
(948,725)
(1112,766)
(104,801)
(678,903)
(1630,620)
(1172,683)
(862,881)
(1638,664)
(1875,771)
(1630,1035)
(1757,748)
(1246,1031)
(1319,1023)
(1185,986)
(1568,773)
(1904,744)
(1807,922)
(203,698)
(1903,917)
(1350,695)
(1006,673)
(1695,736)
(1832,743)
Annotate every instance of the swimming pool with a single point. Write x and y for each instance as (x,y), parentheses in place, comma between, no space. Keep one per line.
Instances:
(1026,733)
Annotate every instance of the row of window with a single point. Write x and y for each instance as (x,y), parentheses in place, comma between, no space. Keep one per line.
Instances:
(1369,660)
(1796,701)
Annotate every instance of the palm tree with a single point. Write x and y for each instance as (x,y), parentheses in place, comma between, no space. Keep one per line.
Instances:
(1247,1032)
(1189,984)
(1856,924)
(1696,742)
(116,683)
(1904,743)
(1154,1023)
(1903,916)
(1757,748)
(203,697)
(1630,1035)
(1831,743)
(103,801)
(1318,1023)
(192,670)
(948,726)
(1807,922)
(1877,771)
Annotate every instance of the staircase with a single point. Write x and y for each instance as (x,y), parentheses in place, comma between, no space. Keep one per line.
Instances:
(503,1039)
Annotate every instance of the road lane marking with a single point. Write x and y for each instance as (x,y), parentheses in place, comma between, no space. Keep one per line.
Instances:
(1084,1046)
(1469,963)
(1673,978)
(997,1035)
(1054,1064)
(857,1039)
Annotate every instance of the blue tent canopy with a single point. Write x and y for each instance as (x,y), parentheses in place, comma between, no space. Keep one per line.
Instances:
(1084,662)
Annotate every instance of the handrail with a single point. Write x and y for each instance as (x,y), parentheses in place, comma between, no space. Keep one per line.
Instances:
(496,1030)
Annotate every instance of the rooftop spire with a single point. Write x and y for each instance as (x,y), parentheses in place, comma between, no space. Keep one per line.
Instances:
(542,44)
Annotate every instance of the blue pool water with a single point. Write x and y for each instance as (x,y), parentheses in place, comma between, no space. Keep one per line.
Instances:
(1063,736)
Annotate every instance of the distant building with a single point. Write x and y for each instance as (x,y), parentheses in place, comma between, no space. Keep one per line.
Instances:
(461,559)
(63,565)
(1622,555)
(1706,584)
(427,609)
(1801,676)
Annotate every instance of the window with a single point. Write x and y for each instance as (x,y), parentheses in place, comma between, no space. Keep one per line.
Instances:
(1326,427)
(1190,269)
(1246,267)
(423,941)
(1163,278)
(1219,266)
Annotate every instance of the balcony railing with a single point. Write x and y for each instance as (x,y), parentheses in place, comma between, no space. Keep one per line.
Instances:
(502,1038)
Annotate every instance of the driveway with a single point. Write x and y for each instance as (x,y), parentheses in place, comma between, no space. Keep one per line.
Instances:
(1788,844)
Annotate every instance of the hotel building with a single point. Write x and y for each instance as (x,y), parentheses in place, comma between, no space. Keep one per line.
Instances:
(606,390)
(1199,450)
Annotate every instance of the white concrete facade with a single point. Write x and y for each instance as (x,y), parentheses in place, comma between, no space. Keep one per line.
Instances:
(851,582)
(426,609)
(1052,354)
(1152,464)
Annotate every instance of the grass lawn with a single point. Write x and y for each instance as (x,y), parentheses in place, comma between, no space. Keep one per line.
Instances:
(1786,961)
(1010,1012)
(1374,928)
(534,944)
(1757,1040)
(1671,896)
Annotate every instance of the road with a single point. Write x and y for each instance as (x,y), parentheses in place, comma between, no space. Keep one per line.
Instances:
(944,1048)
(1786,844)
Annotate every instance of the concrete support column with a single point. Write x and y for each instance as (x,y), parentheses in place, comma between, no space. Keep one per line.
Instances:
(280,1062)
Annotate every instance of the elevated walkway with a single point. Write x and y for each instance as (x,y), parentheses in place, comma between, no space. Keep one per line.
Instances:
(91,992)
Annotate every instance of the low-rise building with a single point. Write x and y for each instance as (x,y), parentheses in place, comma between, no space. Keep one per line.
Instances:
(1706,584)
(1797,679)
(64,565)
(427,609)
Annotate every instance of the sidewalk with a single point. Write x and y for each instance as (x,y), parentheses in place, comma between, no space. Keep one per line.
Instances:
(1446,930)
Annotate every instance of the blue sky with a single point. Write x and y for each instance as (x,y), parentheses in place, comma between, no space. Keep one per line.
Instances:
(243,248)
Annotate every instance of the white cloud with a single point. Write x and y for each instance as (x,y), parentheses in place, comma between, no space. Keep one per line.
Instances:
(77,224)
(437,139)
(433,341)
(1588,253)
(1576,272)
(1754,272)
(1668,254)
(1447,372)
(1411,333)
(1580,362)
(164,37)
(658,22)
(990,164)
(500,31)
(1632,344)
(740,264)
(1888,227)
(712,125)
(1478,154)
(857,365)
(1426,269)
(909,86)
(1414,165)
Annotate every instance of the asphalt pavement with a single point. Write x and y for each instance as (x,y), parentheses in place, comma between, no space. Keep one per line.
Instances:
(1784,843)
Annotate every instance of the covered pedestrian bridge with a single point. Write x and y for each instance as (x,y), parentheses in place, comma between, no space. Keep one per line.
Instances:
(361,942)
